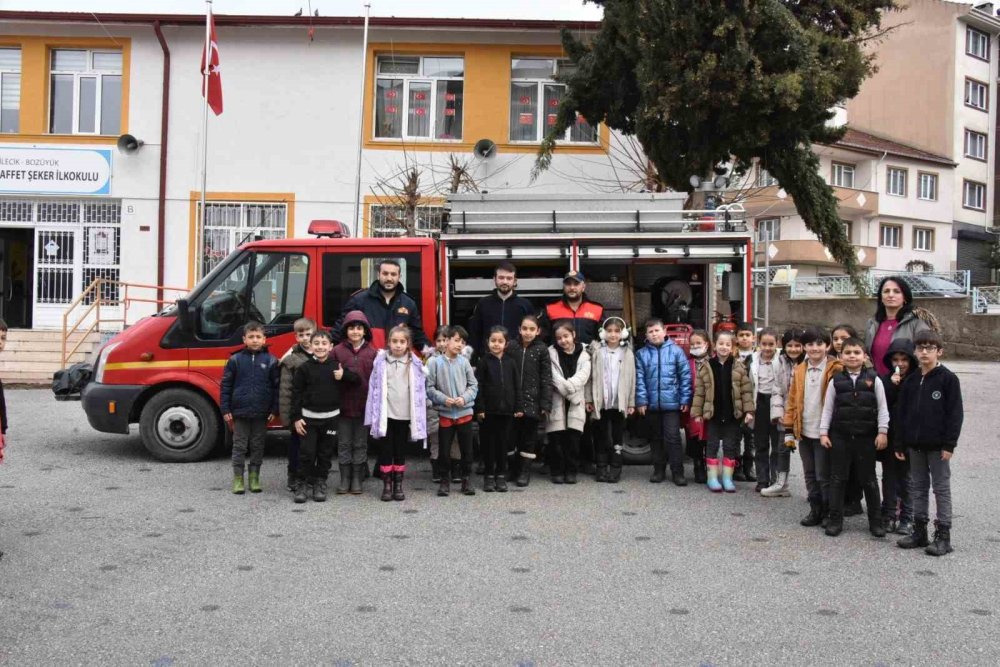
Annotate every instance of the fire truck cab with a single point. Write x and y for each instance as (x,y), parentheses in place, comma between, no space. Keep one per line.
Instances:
(643,256)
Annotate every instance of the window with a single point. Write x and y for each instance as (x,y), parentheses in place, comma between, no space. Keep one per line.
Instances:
(976,94)
(923,238)
(344,274)
(86,92)
(896,181)
(230,224)
(764,179)
(927,186)
(848,228)
(768,229)
(269,287)
(419,97)
(534,101)
(890,236)
(843,175)
(974,195)
(10,90)
(390,221)
(977,44)
(975,145)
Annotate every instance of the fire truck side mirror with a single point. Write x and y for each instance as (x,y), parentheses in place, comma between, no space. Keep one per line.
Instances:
(184,315)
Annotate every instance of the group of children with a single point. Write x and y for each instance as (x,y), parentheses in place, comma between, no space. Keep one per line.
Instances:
(804,389)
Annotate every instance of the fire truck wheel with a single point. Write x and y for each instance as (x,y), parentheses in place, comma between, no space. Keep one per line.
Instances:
(179,426)
(637,452)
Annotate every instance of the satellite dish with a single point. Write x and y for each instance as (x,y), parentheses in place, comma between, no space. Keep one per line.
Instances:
(485,148)
(127,144)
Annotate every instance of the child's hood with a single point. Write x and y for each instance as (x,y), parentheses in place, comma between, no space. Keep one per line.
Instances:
(904,345)
(357,317)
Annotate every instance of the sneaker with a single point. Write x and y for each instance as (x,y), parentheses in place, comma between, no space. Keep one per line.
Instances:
(779,489)
(301,492)
(904,527)
(502,484)
(489,484)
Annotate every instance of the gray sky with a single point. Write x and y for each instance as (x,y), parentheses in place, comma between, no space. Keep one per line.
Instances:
(522,9)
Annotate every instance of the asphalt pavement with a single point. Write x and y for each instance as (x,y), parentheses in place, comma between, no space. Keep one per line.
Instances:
(110,557)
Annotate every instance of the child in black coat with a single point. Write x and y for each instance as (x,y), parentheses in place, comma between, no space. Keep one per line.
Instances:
(531,356)
(897,510)
(498,403)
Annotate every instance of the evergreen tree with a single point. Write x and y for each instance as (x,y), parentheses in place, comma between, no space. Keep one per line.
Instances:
(701,82)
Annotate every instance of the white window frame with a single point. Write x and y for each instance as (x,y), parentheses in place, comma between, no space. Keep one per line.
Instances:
(237,233)
(977,94)
(764,178)
(429,220)
(978,202)
(409,79)
(895,234)
(974,38)
(923,236)
(932,183)
(895,177)
(980,139)
(541,112)
(768,229)
(88,73)
(839,171)
(848,228)
(10,71)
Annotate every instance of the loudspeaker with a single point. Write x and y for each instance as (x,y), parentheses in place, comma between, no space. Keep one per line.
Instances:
(484,148)
(127,144)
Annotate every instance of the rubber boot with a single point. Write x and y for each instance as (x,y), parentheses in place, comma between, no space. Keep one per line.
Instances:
(238,487)
(489,484)
(501,483)
(301,491)
(253,480)
(942,540)
(344,485)
(467,489)
(319,490)
(918,538)
(659,474)
(386,474)
(815,516)
(728,468)
(397,485)
(779,489)
(712,475)
(700,470)
(357,479)
(614,474)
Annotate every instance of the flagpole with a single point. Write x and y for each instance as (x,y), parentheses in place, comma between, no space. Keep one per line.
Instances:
(355,221)
(200,227)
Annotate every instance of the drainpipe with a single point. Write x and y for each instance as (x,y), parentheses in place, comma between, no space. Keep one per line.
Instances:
(161,207)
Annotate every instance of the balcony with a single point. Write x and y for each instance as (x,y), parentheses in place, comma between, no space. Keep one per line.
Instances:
(765,201)
(813,252)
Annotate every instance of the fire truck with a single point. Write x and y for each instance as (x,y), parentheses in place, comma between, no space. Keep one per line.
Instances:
(643,255)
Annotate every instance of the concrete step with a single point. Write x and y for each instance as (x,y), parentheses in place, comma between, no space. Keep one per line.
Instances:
(25,377)
(54,346)
(21,356)
(44,366)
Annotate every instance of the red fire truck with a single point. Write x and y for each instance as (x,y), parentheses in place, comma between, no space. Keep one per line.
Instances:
(643,256)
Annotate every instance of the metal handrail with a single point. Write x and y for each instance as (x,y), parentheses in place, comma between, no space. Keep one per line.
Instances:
(95,292)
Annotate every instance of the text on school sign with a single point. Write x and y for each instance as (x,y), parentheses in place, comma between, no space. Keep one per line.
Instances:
(55,171)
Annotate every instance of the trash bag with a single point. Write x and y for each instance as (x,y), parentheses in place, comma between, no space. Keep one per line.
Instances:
(72,380)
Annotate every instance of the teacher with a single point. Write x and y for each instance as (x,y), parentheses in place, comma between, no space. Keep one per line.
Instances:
(894,318)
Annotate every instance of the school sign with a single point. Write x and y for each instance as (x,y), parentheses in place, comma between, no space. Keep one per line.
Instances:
(55,171)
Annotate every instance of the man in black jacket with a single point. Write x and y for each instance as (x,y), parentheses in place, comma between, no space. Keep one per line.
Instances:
(386,305)
(929,415)
(501,307)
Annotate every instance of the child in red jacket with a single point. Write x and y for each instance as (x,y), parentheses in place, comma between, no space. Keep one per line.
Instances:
(356,357)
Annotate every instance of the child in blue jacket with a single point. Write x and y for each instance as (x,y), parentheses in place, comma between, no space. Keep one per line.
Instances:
(249,400)
(662,393)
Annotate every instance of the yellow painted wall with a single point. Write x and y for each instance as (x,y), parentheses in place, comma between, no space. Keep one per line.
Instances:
(35,57)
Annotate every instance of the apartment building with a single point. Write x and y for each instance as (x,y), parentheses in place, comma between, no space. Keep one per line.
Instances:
(936,90)
(895,202)
(282,153)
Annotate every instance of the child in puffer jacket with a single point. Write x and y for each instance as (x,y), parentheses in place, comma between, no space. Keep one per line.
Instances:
(701,351)
(534,367)
(497,404)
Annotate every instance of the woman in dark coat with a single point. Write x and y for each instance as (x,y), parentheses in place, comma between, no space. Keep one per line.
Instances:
(894,318)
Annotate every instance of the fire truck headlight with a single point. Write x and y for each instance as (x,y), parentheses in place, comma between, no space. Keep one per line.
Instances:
(102,359)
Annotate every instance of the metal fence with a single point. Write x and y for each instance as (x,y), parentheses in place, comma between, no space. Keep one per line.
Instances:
(986,299)
(947,283)
(780,274)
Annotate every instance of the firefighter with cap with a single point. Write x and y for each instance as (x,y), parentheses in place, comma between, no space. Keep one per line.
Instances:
(574,306)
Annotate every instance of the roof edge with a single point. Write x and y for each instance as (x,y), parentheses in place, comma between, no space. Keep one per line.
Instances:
(296,21)
(926,157)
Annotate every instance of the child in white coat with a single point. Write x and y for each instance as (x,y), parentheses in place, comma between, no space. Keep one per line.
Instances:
(570,372)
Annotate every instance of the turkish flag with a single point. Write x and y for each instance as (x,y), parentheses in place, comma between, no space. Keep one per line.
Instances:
(214,75)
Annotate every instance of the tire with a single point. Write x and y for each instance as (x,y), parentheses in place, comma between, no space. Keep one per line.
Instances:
(179,426)
(638,452)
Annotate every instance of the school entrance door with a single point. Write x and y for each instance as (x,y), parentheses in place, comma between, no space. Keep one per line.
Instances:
(16,270)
